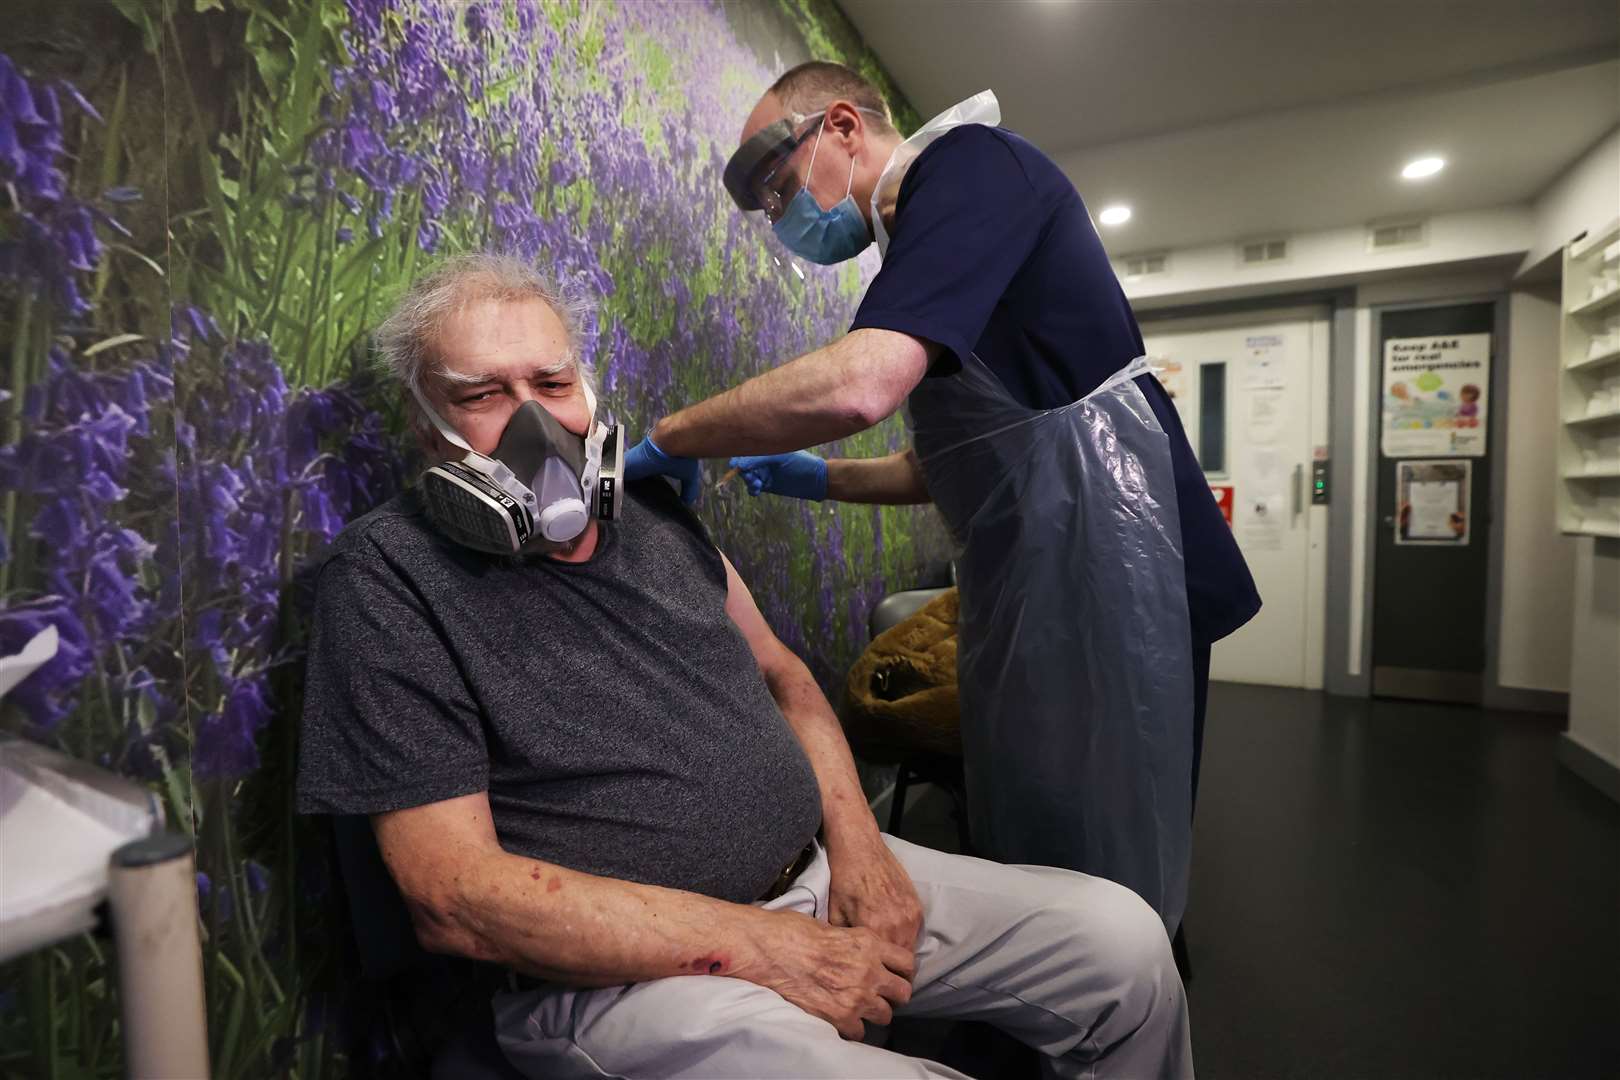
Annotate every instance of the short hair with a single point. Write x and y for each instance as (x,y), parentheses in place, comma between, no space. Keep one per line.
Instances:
(405,338)
(811,87)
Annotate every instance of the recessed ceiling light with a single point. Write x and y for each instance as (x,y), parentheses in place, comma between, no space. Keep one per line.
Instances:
(1423,168)
(1115,215)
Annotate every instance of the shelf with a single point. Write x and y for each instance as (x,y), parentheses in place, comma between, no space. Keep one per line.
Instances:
(1595,241)
(1588,488)
(1592,528)
(1592,363)
(1597,304)
(1593,418)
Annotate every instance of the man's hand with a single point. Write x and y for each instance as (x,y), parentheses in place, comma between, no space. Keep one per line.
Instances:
(842,975)
(871,889)
(645,459)
(799,475)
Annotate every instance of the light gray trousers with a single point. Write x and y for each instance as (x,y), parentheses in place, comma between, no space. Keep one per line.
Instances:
(1075,966)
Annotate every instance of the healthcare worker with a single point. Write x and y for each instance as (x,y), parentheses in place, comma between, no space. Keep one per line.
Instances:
(1096,569)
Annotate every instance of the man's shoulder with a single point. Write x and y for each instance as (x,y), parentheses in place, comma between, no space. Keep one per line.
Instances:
(398,527)
(978,140)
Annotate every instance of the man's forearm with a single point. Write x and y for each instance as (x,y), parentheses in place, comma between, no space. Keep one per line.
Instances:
(580,929)
(822,396)
(895,480)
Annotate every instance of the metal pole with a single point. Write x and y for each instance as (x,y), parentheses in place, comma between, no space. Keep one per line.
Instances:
(153,895)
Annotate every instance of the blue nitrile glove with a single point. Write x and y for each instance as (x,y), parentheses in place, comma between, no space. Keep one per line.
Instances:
(800,474)
(645,459)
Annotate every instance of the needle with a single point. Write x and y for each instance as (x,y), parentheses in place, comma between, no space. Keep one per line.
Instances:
(731,474)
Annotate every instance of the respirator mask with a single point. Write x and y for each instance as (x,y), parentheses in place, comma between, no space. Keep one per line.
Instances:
(536,493)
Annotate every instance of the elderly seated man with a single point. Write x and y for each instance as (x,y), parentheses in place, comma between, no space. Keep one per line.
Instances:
(591,763)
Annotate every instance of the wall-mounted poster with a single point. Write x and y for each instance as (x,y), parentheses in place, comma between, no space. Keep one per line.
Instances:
(1223,499)
(1432,501)
(1172,376)
(1435,395)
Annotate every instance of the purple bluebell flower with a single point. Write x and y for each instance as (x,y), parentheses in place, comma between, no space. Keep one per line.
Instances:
(226,741)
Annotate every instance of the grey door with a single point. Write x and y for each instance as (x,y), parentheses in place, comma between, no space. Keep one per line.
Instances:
(1429,605)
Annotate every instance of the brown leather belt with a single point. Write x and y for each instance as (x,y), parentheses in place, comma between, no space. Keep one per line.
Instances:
(784,881)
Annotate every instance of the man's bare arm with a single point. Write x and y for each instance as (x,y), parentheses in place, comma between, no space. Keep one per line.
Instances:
(844,810)
(853,384)
(469,897)
(895,480)
(869,887)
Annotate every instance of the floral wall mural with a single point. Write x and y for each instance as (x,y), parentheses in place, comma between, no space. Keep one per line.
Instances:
(205,206)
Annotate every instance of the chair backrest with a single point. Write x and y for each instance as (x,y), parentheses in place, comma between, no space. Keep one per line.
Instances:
(896,608)
(382,926)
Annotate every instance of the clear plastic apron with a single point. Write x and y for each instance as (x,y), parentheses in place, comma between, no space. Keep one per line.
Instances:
(1075,655)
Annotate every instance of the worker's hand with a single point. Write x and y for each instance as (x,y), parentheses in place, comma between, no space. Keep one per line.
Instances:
(645,459)
(801,475)
(871,889)
(842,975)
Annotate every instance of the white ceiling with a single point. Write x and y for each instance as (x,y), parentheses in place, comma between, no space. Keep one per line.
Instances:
(1219,119)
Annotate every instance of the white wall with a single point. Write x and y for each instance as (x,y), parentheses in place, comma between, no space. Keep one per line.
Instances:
(1538,562)
(1332,258)
(1585,196)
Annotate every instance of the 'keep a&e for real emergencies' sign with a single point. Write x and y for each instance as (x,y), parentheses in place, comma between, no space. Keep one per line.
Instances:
(1436,393)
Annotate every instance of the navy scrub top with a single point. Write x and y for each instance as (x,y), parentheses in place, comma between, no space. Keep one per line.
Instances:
(992,253)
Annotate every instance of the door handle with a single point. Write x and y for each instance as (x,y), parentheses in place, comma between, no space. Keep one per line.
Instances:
(1299,493)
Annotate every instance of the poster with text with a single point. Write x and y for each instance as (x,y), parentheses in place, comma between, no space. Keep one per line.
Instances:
(1436,393)
(1432,497)
(1172,376)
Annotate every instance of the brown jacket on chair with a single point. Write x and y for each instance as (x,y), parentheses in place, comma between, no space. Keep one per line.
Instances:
(901,696)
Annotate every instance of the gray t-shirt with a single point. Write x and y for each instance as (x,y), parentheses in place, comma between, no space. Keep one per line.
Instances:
(611,709)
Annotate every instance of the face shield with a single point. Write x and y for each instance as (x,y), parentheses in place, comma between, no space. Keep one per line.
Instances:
(758,176)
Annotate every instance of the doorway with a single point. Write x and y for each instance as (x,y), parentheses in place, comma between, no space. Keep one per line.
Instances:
(1252,391)
(1433,423)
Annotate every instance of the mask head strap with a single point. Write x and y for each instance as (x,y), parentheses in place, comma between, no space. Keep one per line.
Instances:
(450,434)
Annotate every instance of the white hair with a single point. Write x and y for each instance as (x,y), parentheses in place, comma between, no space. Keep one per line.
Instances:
(405,338)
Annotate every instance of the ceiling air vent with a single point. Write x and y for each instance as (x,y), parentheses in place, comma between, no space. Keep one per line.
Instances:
(1137,266)
(1395,234)
(1261,252)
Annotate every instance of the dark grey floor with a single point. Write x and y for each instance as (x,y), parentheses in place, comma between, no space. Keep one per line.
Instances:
(1390,889)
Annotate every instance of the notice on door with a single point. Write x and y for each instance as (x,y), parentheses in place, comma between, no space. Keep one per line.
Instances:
(1432,501)
(1436,395)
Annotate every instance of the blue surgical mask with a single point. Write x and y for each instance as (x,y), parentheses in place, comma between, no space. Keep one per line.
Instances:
(823,236)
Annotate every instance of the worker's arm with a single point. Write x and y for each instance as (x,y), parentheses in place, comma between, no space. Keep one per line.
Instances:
(853,384)
(467,896)
(895,480)
(869,886)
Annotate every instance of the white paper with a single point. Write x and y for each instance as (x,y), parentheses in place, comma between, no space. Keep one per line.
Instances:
(40,649)
(1261,519)
(1265,415)
(1433,502)
(1264,371)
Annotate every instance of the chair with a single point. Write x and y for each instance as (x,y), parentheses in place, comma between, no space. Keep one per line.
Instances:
(920,767)
(424,1027)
